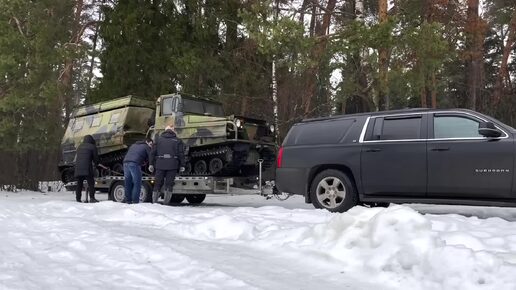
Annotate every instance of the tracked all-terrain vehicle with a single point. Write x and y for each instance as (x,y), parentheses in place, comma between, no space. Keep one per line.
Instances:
(114,125)
(217,145)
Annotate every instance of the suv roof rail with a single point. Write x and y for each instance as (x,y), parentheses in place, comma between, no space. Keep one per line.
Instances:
(343,116)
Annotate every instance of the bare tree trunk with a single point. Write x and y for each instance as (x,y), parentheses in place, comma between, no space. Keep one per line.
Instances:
(275,100)
(244,105)
(275,85)
(313,20)
(302,12)
(366,103)
(423,98)
(359,10)
(317,52)
(434,91)
(474,52)
(383,95)
(503,79)
(65,79)
(93,52)
(274,82)
(343,107)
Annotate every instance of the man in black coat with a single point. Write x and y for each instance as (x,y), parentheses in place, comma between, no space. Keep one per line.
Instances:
(167,158)
(136,156)
(86,157)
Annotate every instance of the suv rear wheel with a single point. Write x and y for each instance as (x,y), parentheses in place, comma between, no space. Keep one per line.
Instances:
(333,190)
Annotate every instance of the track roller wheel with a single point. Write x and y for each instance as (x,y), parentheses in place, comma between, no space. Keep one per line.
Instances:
(216,165)
(200,167)
(117,169)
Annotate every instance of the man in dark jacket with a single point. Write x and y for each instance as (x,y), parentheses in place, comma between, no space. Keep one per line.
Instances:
(137,155)
(167,158)
(86,157)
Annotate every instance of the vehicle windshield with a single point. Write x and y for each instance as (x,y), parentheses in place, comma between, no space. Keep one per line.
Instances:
(202,108)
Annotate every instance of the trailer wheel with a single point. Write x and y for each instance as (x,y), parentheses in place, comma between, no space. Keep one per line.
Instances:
(146,192)
(68,175)
(173,199)
(195,198)
(177,198)
(117,192)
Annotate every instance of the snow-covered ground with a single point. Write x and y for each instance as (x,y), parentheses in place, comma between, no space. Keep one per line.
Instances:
(48,241)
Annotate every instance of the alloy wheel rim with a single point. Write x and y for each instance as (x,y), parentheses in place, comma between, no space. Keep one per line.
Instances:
(331,192)
(119,193)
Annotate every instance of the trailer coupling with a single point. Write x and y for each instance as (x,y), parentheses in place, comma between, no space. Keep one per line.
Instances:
(272,190)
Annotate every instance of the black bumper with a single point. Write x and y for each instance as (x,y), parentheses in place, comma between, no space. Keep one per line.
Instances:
(292,180)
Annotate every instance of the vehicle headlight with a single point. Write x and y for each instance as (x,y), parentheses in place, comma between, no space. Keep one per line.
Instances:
(238,123)
(271,128)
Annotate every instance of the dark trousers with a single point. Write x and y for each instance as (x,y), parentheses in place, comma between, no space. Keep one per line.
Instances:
(169,176)
(133,182)
(91,186)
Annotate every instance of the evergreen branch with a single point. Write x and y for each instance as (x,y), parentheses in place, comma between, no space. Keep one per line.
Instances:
(326,12)
(18,24)
(77,38)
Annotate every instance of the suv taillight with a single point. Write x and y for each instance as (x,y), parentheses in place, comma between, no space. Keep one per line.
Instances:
(280,157)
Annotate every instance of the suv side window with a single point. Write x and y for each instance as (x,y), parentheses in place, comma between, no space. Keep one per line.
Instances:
(455,127)
(401,128)
(397,128)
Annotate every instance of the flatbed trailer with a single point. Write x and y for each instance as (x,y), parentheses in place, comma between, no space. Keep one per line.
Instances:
(192,188)
(189,187)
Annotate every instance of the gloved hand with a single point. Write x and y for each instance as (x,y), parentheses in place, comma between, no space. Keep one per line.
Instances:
(151,168)
(181,169)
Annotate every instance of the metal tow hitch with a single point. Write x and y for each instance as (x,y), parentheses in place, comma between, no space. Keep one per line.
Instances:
(281,196)
(270,186)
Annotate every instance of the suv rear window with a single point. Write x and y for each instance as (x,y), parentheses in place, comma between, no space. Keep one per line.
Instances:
(325,132)
(396,128)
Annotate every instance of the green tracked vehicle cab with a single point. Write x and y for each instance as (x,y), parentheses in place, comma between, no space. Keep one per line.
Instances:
(114,125)
(217,144)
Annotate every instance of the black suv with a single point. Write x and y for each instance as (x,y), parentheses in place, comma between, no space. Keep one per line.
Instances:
(407,156)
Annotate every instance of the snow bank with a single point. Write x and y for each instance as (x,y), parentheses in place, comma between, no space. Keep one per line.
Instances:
(47,243)
(396,246)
